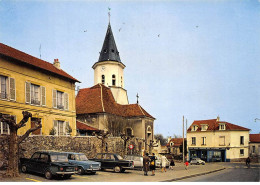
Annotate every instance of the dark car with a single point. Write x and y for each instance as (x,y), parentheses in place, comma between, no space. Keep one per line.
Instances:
(113,161)
(49,163)
(84,165)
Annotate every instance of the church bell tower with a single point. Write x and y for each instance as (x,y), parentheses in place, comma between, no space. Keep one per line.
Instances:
(109,70)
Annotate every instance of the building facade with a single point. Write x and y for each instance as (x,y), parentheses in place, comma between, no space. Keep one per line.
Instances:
(175,147)
(254,147)
(44,89)
(215,140)
(105,106)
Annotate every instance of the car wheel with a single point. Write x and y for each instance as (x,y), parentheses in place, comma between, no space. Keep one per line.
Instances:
(81,171)
(117,169)
(24,169)
(48,175)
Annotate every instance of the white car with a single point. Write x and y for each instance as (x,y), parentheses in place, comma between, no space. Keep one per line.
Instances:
(138,160)
(197,161)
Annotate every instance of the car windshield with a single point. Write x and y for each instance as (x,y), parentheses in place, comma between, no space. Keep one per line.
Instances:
(81,157)
(59,158)
(119,157)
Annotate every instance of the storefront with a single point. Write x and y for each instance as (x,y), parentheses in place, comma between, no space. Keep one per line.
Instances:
(208,154)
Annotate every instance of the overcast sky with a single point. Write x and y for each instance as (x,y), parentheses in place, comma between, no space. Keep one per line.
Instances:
(194,58)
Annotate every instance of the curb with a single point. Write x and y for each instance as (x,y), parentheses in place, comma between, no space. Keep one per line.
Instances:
(195,175)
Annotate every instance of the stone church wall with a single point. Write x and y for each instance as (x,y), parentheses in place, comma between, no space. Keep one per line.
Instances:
(89,145)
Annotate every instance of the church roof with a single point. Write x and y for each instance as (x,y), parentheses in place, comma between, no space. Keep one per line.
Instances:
(109,50)
(213,124)
(23,58)
(176,142)
(83,126)
(99,99)
(254,138)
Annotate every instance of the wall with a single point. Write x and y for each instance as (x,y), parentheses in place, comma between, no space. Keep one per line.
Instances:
(90,145)
(47,113)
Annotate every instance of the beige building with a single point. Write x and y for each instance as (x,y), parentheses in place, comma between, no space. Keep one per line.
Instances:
(215,140)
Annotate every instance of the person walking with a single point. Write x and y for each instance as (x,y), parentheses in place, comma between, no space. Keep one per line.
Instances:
(172,164)
(186,165)
(152,164)
(248,162)
(146,161)
(164,163)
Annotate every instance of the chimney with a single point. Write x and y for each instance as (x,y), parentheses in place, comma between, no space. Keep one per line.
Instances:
(218,118)
(56,63)
(169,138)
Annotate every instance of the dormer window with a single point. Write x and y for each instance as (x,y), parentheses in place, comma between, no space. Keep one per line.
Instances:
(171,144)
(222,126)
(113,79)
(204,127)
(194,127)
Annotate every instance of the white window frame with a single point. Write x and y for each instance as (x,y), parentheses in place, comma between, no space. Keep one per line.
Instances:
(2,129)
(193,140)
(35,91)
(240,152)
(194,127)
(203,141)
(204,127)
(5,80)
(222,126)
(30,88)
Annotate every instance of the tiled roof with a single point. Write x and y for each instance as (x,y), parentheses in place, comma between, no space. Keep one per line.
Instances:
(99,99)
(213,124)
(83,126)
(24,58)
(254,138)
(176,142)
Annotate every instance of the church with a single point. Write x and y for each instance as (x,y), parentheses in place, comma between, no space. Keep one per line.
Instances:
(105,106)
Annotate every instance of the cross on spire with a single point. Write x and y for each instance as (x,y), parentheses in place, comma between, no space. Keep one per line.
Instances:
(137,98)
(109,14)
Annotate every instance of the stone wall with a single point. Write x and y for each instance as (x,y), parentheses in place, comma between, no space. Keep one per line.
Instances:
(89,145)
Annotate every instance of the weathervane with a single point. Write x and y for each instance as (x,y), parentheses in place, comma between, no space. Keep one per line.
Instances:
(109,14)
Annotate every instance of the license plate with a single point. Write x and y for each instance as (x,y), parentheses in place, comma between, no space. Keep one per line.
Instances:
(69,169)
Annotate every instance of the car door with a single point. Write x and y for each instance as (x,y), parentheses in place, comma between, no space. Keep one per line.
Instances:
(33,163)
(43,163)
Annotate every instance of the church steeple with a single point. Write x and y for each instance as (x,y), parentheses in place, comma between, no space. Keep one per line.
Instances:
(109,50)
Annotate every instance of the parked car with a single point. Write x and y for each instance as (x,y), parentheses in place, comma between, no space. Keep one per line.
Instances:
(84,165)
(49,163)
(138,160)
(197,161)
(113,161)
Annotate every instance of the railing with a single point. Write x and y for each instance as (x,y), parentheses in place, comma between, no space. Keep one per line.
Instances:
(35,102)
(3,95)
(60,106)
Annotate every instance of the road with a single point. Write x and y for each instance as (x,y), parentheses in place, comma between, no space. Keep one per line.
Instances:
(212,172)
(234,172)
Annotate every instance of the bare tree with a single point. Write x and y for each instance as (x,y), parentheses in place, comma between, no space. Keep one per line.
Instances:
(15,140)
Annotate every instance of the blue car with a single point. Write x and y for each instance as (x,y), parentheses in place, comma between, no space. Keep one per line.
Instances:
(84,165)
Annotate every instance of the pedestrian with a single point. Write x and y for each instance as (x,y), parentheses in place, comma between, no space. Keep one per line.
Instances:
(186,165)
(146,161)
(164,163)
(172,164)
(248,162)
(152,164)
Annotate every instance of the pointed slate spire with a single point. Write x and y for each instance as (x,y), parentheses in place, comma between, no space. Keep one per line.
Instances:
(109,50)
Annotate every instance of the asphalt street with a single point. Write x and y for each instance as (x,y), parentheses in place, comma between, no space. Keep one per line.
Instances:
(211,172)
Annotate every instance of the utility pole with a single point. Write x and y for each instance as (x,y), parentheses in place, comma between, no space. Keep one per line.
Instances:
(183,139)
(186,139)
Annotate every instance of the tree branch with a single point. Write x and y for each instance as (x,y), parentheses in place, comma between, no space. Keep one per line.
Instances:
(26,116)
(38,125)
(7,119)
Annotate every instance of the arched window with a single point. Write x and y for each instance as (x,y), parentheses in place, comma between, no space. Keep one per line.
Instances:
(103,79)
(113,79)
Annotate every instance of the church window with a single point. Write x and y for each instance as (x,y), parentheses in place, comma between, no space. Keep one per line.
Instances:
(112,51)
(113,79)
(105,50)
(103,79)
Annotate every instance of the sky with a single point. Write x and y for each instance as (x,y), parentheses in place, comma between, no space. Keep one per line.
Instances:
(194,58)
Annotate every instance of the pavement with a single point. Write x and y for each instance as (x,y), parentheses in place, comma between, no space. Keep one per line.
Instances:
(178,173)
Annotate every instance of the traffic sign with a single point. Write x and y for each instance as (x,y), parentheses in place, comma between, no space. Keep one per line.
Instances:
(131,146)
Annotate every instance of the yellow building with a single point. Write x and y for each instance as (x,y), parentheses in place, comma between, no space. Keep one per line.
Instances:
(31,84)
(215,140)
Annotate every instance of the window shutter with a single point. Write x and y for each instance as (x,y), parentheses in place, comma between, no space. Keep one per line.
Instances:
(27,92)
(66,101)
(43,94)
(55,126)
(54,98)
(12,88)
(66,128)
